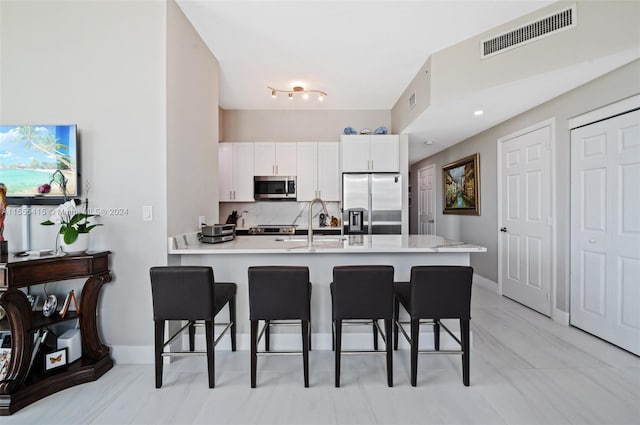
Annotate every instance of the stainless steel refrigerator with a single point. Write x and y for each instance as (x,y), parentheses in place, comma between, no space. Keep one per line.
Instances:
(372,203)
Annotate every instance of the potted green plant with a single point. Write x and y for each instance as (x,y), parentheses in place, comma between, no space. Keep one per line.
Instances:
(74,226)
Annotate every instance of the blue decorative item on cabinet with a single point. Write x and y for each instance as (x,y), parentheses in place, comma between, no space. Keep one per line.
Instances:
(381,130)
(350,130)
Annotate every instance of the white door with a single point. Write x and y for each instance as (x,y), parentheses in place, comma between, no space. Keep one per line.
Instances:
(605,230)
(525,218)
(427,200)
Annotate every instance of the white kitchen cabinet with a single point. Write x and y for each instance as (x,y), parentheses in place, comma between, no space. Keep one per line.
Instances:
(329,171)
(235,172)
(318,172)
(370,153)
(275,159)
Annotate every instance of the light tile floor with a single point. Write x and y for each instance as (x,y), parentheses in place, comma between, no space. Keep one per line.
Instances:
(525,369)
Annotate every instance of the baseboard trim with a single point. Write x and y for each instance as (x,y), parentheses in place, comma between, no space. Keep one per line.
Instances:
(132,354)
(561,317)
(485,283)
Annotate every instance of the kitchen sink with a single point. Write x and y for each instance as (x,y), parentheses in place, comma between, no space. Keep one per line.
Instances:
(316,239)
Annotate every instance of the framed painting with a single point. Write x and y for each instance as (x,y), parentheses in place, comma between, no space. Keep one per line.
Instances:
(460,186)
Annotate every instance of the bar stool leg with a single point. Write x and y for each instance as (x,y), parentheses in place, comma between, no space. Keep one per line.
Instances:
(396,315)
(338,344)
(267,335)
(254,352)
(211,365)
(192,336)
(387,330)
(159,342)
(464,334)
(305,350)
(436,334)
(415,331)
(375,334)
(333,336)
(232,320)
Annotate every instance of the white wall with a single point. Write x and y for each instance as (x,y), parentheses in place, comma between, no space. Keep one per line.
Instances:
(192,126)
(101,65)
(483,229)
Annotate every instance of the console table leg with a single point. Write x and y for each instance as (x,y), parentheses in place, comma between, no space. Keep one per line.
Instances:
(92,348)
(18,311)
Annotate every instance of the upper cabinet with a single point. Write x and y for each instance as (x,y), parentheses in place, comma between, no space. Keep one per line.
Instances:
(235,172)
(275,159)
(370,153)
(318,172)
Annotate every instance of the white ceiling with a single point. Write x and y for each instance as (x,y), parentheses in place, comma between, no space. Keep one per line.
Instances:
(362,53)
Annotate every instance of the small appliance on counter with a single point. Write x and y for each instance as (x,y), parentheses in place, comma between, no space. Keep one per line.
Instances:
(217,233)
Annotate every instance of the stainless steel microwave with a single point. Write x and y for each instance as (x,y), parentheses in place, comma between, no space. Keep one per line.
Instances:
(274,188)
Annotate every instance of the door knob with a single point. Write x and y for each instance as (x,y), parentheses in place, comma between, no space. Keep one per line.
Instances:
(504,229)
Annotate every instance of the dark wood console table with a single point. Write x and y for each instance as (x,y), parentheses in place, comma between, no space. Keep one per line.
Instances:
(16,391)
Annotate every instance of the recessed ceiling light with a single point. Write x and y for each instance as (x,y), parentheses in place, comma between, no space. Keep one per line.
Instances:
(478,112)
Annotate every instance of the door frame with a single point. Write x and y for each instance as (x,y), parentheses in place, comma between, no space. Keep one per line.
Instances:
(433,196)
(556,315)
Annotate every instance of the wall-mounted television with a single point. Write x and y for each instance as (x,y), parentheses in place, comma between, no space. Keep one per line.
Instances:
(35,161)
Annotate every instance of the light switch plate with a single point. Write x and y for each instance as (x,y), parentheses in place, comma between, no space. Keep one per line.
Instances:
(147,213)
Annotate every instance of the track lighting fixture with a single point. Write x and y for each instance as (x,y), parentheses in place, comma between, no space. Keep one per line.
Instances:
(298,89)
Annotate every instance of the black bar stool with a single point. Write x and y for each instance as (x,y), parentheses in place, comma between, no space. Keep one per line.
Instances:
(435,293)
(278,294)
(363,292)
(189,293)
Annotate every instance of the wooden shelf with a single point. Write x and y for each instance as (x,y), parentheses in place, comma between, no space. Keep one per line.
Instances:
(39,321)
(23,384)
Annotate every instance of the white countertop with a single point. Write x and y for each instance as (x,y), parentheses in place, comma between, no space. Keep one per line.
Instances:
(189,244)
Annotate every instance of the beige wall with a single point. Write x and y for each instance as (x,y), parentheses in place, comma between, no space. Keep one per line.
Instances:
(101,65)
(297,125)
(483,230)
(192,126)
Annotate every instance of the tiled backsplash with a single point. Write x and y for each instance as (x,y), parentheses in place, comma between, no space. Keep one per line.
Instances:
(276,212)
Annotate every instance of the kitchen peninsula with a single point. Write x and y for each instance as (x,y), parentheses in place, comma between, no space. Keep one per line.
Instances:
(230,261)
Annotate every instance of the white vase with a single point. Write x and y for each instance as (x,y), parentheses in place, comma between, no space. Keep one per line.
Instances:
(78,246)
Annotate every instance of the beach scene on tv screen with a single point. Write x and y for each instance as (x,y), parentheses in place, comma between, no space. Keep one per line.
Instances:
(31,154)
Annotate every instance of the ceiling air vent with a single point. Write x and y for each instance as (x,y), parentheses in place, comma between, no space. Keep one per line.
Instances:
(412,101)
(541,28)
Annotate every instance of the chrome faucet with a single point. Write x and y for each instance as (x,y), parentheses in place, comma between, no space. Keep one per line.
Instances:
(310,231)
